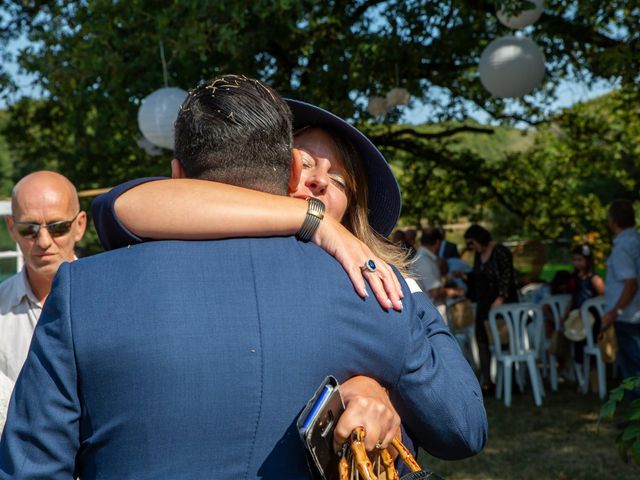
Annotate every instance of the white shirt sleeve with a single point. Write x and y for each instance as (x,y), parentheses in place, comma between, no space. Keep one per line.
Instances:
(427,273)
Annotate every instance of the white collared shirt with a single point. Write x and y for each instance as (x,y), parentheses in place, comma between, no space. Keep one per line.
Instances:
(623,264)
(426,270)
(19,313)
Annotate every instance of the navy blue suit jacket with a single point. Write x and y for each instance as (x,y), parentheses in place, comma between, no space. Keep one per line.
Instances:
(192,360)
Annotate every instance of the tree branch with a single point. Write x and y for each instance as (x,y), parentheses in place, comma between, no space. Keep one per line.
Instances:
(441,134)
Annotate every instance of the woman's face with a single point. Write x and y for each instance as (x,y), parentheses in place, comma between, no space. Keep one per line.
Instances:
(323,172)
(579,262)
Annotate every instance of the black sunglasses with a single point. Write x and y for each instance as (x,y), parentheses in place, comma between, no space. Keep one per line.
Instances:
(55,229)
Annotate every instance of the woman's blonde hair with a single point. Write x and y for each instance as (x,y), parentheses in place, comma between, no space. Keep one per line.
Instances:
(356,218)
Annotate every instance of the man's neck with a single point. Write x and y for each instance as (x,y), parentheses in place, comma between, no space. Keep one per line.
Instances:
(40,285)
(617,230)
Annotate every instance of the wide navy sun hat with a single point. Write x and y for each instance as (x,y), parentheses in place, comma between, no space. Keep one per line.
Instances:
(384,197)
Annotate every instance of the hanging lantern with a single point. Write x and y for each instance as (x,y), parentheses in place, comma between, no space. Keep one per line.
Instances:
(158,113)
(377,106)
(511,67)
(397,96)
(524,18)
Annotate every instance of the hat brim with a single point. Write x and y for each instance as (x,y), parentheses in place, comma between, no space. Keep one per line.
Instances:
(574,327)
(384,200)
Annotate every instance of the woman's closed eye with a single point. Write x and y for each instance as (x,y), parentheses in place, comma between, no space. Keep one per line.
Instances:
(338,180)
(307,160)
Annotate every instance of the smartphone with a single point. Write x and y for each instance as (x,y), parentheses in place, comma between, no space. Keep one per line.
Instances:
(316,424)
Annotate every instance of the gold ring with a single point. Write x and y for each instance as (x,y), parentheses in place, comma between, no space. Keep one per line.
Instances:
(379,445)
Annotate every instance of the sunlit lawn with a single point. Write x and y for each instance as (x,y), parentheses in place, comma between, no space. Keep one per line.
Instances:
(560,440)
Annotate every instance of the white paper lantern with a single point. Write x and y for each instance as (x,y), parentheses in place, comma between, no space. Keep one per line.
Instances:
(397,96)
(525,18)
(377,106)
(511,67)
(149,147)
(158,113)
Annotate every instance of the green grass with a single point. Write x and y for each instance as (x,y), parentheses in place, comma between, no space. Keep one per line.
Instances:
(560,440)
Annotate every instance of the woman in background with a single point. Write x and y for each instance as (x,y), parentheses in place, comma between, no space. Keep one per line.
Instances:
(492,283)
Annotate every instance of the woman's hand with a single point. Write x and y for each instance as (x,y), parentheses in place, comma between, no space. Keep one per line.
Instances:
(352,254)
(497,302)
(367,404)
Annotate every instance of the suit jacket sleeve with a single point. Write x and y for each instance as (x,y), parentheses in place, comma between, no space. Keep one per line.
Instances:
(438,395)
(111,232)
(41,436)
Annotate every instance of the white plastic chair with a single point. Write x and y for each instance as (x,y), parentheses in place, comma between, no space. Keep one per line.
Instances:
(521,348)
(591,349)
(558,305)
(527,293)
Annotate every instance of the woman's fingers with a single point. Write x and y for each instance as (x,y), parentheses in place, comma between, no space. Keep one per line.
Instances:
(353,255)
(385,285)
(378,418)
(378,289)
(356,277)
(367,404)
(392,285)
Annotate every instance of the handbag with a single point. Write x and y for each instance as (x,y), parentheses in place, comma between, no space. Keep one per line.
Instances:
(461,314)
(355,463)
(608,344)
(503,331)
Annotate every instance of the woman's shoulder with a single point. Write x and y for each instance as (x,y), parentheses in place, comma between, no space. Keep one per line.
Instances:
(501,251)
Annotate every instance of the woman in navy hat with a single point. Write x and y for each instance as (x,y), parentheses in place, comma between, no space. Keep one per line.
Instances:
(341,167)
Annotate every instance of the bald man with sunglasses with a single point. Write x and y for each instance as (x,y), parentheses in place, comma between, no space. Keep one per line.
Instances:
(46,222)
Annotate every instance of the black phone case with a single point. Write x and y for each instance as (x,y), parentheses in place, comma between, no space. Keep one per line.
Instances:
(318,440)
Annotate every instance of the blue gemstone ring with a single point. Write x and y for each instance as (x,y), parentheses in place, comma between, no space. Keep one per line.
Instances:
(369,265)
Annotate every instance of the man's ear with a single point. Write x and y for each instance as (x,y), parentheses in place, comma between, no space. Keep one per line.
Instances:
(81,225)
(176,169)
(296,170)
(9,221)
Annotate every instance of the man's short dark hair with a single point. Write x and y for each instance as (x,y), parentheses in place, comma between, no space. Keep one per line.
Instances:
(235,130)
(479,234)
(622,213)
(430,236)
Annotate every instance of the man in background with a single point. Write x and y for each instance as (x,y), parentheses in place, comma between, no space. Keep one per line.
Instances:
(622,296)
(46,223)
(447,249)
(427,269)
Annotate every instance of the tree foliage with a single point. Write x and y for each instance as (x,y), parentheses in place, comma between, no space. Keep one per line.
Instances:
(96,59)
